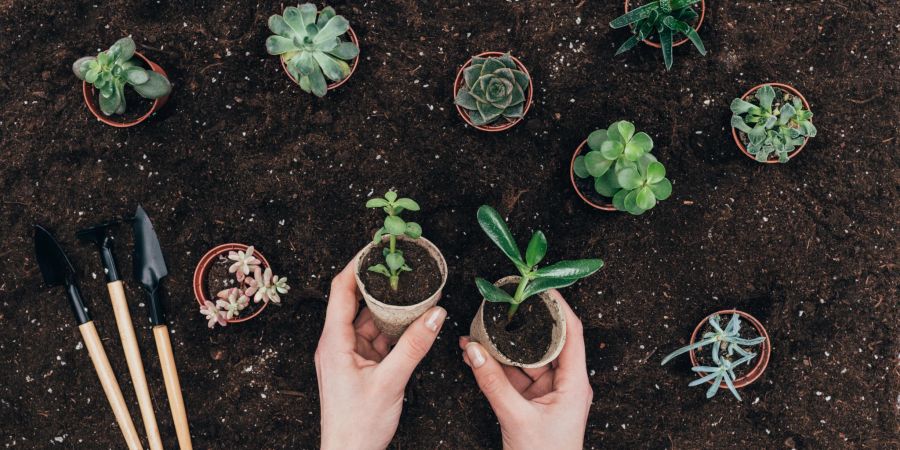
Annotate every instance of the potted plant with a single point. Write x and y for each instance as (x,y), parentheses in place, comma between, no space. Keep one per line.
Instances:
(403,251)
(533,334)
(619,172)
(772,126)
(666,19)
(493,91)
(106,75)
(234,283)
(314,45)
(727,364)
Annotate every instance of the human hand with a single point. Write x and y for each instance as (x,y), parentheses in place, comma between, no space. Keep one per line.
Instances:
(361,380)
(538,408)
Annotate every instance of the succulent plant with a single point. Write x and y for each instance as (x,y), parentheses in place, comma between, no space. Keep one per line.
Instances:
(775,125)
(394,226)
(269,286)
(231,302)
(213,314)
(311,45)
(110,71)
(666,18)
(495,89)
(261,286)
(244,263)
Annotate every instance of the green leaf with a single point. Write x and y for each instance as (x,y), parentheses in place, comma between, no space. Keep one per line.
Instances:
(631,203)
(536,250)
(766,96)
(665,40)
(628,45)
(471,74)
(596,164)
(345,50)
(308,14)
(739,106)
(685,29)
(464,99)
(317,84)
(391,196)
(335,27)
(331,67)
(278,26)
(136,75)
(612,149)
(413,230)
(376,203)
(626,130)
(607,185)
(394,225)
(642,141)
(634,15)
(277,45)
(738,122)
(325,15)
(497,231)
(545,284)
(407,203)
(629,178)
(596,139)
(394,261)
(157,86)
(378,235)
(110,104)
(655,172)
(579,168)
(91,75)
(576,269)
(619,199)
(82,65)
(379,268)
(787,112)
(645,198)
(126,49)
(492,293)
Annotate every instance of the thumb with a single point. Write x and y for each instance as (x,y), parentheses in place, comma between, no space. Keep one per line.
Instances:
(412,346)
(503,397)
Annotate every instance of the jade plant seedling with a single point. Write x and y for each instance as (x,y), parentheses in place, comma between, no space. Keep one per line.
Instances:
(252,282)
(494,90)
(312,45)
(534,280)
(665,18)
(623,168)
(110,71)
(394,226)
(772,130)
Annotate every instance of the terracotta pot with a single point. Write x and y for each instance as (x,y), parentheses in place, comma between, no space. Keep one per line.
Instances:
(601,206)
(790,90)
(206,261)
(478,332)
(336,84)
(90,100)
(762,360)
(460,82)
(392,320)
(676,44)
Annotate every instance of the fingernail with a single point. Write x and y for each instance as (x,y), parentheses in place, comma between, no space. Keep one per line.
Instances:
(475,355)
(435,319)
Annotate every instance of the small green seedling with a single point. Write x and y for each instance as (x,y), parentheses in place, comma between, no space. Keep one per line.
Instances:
(111,70)
(394,226)
(495,89)
(623,168)
(770,129)
(667,19)
(534,280)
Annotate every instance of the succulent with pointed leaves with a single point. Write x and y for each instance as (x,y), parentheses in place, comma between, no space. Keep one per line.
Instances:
(665,18)
(268,286)
(231,302)
(775,123)
(494,90)
(394,226)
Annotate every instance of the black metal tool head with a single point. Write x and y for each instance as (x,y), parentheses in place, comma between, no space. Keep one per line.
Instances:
(58,270)
(100,235)
(149,264)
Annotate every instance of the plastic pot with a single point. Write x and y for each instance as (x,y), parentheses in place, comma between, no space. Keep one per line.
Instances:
(676,44)
(601,206)
(90,98)
(336,84)
(202,269)
(460,82)
(784,87)
(762,360)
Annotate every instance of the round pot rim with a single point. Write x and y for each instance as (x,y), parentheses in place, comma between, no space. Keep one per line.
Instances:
(336,84)
(88,91)
(608,207)
(202,268)
(791,90)
(458,83)
(442,268)
(761,364)
(683,41)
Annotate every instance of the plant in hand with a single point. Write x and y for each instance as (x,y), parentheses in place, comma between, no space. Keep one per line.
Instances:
(774,125)
(667,19)
(261,286)
(494,90)
(394,226)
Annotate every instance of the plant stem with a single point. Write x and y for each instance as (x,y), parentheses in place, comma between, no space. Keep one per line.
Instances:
(395,282)
(517,299)
(393,244)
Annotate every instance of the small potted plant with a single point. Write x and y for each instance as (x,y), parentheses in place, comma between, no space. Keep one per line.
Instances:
(493,91)
(234,283)
(727,363)
(314,46)
(619,172)
(530,335)
(772,126)
(395,300)
(106,75)
(666,19)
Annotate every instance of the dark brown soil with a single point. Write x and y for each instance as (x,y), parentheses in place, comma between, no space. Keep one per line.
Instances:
(239,153)
(218,278)
(747,331)
(527,337)
(415,286)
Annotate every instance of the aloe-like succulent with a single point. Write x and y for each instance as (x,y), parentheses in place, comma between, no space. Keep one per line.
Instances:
(110,71)
(313,46)
(665,18)
(394,226)
(495,89)
(775,125)
(623,168)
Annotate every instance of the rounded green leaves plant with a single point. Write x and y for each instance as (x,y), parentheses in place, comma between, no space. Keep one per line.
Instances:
(667,19)
(110,71)
(774,125)
(394,226)
(495,89)
(311,45)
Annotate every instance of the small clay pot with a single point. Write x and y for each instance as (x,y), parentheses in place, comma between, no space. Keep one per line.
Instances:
(336,84)
(681,42)
(601,206)
(762,360)
(478,332)
(206,261)
(460,82)
(784,87)
(90,98)
(392,320)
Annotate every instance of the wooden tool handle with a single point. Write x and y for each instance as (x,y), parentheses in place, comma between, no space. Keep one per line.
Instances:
(110,385)
(135,365)
(173,387)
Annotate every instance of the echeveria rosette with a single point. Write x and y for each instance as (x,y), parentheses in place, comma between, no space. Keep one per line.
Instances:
(771,130)
(393,227)
(667,19)
(309,41)
(110,71)
(494,89)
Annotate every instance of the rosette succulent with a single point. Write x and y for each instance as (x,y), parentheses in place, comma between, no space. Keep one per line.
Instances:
(494,90)
(312,45)
(394,226)
(775,124)
(666,18)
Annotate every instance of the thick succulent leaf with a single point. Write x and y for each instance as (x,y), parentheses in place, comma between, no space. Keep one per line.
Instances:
(407,203)
(738,122)
(335,27)
(665,40)
(517,96)
(136,75)
(125,49)
(506,73)
(809,129)
(626,130)
(325,15)
(82,65)
(507,61)
(645,199)
(576,269)
(394,225)
(515,111)
(655,172)
(629,178)
(631,205)
(293,18)
(492,293)
(634,15)
(477,118)
(317,84)
(156,86)
(381,269)
(491,65)
(376,203)
(596,164)
(739,106)
(596,139)
(757,134)
(787,112)
(345,50)
(465,100)
(685,29)
(628,44)
(521,79)
(488,111)
(536,250)
(607,185)
(305,62)
(766,96)
(545,284)
(471,74)
(579,168)
(308,13)
(495,228)
(278,26)
(277,45)
(413,230)
(110,104)
(394,261)
(619,199)
(612,149)
(331,67)
(91,75)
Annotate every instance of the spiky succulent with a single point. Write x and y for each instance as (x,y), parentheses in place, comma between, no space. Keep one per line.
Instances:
(111,70)
(494,90)
(772,129)
(623,168)
(667,19)
(312,45)
(394,226)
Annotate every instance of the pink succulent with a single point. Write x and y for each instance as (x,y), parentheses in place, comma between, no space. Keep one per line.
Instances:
(231,302)
(269,286)
(213,314)
(244,262)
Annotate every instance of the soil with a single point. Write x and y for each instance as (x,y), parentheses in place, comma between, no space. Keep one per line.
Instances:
(240,154)
(747,331)
(528,336)
(218,278)
(415,286)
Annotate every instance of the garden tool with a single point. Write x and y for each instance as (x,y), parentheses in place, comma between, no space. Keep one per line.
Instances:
(149,270)
(100,235)
(58,271)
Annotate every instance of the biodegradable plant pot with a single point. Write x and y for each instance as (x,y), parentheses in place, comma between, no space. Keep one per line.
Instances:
(601,206)
(478,330)
(681,42)
(392,320)
(761,363)
(336,84)
(790,90)
(202,270)
(460,81)
(90,98)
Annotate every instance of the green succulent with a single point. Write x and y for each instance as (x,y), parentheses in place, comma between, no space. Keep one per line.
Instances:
(623,169)
(771,129)
(394,226)
(666,18)
(111,70)
(311,45)
(495,89)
